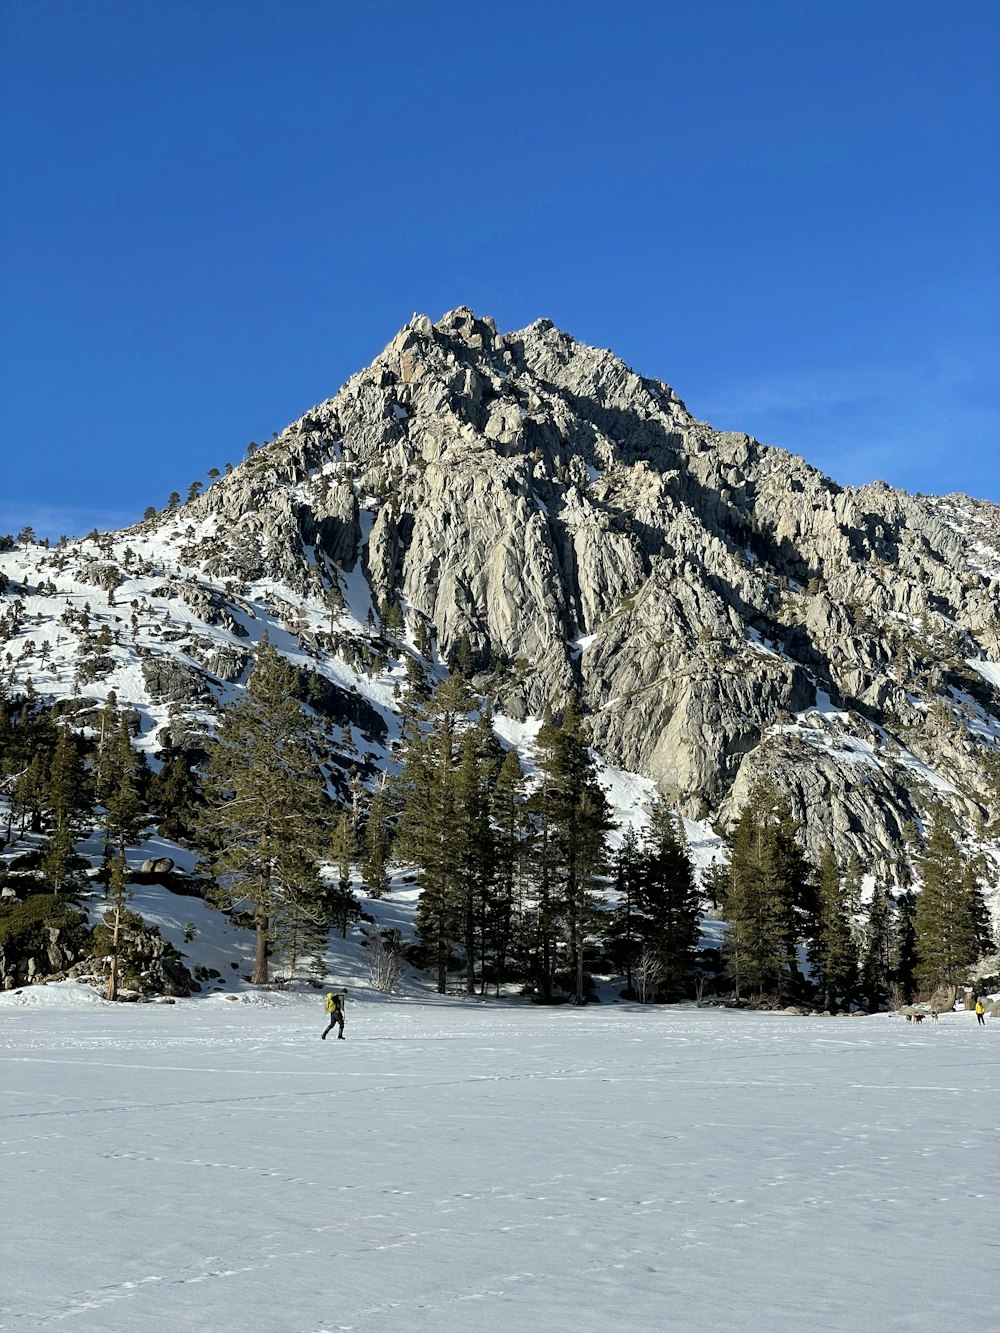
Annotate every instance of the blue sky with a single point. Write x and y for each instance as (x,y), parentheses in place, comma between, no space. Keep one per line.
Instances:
(217,211)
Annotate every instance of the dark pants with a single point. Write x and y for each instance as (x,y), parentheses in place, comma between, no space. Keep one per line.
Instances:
(335,1017)
(981,1019)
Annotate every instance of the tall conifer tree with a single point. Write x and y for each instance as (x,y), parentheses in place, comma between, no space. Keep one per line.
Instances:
(512,852)
(831,954)
(68,799)
(946,914)
(427,833)
(767,895)
(876,958)
(628,869)
(575,819)
(123,811)
(266,810)
(668,900)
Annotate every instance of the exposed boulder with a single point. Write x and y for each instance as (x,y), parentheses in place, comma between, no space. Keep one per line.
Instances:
(157,865)
(170,681)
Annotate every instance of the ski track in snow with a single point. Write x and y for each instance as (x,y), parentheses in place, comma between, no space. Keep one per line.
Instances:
(494,1167)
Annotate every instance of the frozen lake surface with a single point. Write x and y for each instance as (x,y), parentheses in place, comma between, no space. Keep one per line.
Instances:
(493,1168)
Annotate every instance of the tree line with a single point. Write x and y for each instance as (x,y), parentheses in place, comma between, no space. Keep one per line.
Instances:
(524,879)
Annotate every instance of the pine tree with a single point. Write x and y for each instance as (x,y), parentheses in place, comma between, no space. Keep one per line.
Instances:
(391,615)
(628,867)
(344,906)
(714,883)
(464,657)
(832,954)
(120,895)
(377,846)
(123,811)
(668,901)
(876,958)
(108,723)
(511,844)
(946,943)
(852,893)
(574,821)
(973,875)
(945,917)
(904,945)
(266,807)
(422,637)
(68,802)
(175,796)
(479,762)
(29,794)
(767,896)
(427,833)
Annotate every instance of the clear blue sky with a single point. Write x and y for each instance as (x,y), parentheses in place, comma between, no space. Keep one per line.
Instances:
(215,211)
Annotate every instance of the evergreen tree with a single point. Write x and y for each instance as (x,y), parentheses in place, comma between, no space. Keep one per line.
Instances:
(946,912)
(574,821)
(714,883)
(344,906)
(391,616)
(952,928)
(422,637)
(266,807)
(120,894)
(479,762)
(904,945)
(511,844)
(768,894)
(668,901)
(972,883)
(108,726)
(832,955)
(68,801)
(626,937)
(123,811)
(876,958)
(377,846)
(175,796)
(29,794)
(852,893)
(427,832)
(464,657)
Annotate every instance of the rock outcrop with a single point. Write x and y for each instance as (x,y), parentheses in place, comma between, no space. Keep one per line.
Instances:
(722,608)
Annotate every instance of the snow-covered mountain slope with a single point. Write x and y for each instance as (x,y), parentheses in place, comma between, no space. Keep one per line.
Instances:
(722,608)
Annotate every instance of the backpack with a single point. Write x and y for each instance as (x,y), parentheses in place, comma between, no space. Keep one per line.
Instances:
(332,1003)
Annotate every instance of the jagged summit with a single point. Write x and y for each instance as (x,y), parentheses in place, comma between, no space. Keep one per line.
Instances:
(721,607)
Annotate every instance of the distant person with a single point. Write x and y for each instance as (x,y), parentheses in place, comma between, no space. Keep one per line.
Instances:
(980,1011)
(335,1002)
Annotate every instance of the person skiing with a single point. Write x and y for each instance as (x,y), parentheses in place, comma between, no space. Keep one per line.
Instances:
(335,1002)
(980,1011)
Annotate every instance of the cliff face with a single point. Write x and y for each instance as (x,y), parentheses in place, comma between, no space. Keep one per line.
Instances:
(722,608)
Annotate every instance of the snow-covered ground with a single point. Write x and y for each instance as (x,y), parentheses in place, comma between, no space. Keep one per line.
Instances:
(463,1166)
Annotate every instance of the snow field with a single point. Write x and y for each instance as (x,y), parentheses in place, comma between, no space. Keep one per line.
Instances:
(455,1166)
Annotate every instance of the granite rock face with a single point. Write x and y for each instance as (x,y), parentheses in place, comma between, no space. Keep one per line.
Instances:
(723,609)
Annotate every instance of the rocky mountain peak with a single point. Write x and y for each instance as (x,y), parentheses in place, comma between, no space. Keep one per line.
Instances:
(721,608)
